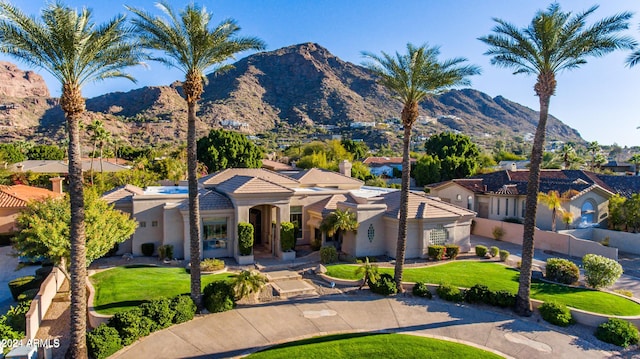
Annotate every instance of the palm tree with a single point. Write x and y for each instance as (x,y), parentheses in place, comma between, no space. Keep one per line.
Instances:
(554,41)
(247,282)
(95,128)
(75,51)
(192,47)
(369,273)
(413,77)
(339,221)
(635,159)
(567,218)
(553,201)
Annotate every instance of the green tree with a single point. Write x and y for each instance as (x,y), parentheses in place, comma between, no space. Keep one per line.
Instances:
(190,45)
(223,149)
(11,154)
(360,171)
(46,152)
(369,273)
(427,170)
(314,160)
(458,155)
(75,51)
(507,156)
(635,159)
(631,209)
(553,201)
(358,149)
(247,282)
(616,218)
(339,221)
(554,41)
(413,77)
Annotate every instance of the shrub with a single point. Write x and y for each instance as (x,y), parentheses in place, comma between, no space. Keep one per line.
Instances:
(436,252)
(103,341)
(328,254)
(498,233)
(287,236)
(562,271)
(385,285)
(165,251)
(158,310)
(148,249)
(219,297)
(494,251)
(19,285)
(504,254)
(600,271)
(619,332)
(184,309)
(6,332)
(131,325)
(211,265)
(625,292)
(481,251)
(28,295)
(316,244)
(421,290)
(452,251)
(479,293)
(502,298)
(15,317)
(556,313)
(245,238)
(450,293)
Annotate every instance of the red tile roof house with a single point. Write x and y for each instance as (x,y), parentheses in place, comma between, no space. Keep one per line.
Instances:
(13,199)
(265,199)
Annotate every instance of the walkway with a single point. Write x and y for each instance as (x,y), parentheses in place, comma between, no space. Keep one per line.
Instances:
(248,329)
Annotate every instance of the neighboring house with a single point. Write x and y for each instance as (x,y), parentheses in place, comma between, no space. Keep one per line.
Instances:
(276,166)
(54,166)
(265,199)
(619,167)
(501,194)
(13,199)
(514,165)
(384,166)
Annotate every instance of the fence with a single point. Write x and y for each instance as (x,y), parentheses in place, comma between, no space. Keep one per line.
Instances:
(42,301)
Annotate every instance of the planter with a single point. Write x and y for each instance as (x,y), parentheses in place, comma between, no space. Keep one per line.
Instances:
(289,256)
(245,260)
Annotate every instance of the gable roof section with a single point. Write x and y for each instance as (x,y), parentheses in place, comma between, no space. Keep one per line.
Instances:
(209,201)
(122,194)
(54,166)
(247,184)
(217,178)
(422,206)
(331,203)
(276,166)
(19,196)
(315,177)
(625,186)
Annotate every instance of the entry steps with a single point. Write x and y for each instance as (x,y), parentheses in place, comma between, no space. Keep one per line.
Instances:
(289,284)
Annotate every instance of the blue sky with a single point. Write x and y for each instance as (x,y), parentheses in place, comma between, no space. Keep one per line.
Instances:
(600,99)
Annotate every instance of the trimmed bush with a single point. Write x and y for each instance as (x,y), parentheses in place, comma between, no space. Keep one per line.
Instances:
(245,238)
(158,310)
(600,271)
(504,254)
(450,293)
(219,297)
(556,313)
(148,249)
(498,233)
(436,252)
(165,251)
(211,265)
(452,251)
(28,295)
(385,285)
(131,325)
(328,254)
(184,309)
(287,236)
(503,299)
(479,293)
(619,332)
(562,271)
(19,285)
(494,251)
(421,290)
(481,251)
(103,341)
(316,244)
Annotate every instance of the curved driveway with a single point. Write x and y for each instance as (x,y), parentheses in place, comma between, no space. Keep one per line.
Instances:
(249,328)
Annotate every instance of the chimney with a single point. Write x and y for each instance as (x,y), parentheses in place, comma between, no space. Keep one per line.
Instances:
(514,166)
(345,168)
(20,166)
(56,184)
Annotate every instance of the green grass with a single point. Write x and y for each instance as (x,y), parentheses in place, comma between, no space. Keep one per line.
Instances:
(367,345)
(123,288)
(499,277)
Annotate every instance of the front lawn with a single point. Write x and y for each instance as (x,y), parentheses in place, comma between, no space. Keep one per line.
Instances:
(366,345)
(123,288)
(499,277)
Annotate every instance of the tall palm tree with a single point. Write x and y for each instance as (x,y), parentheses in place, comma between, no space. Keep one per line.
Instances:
(554,41)
(94,128)
(67,43)
(339,221)
(191,46)
(553,201)
(413,77)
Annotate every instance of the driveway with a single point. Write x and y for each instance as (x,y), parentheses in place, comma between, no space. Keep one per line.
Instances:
(8,272)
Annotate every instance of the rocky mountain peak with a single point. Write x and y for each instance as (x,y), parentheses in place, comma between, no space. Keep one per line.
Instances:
(20,84)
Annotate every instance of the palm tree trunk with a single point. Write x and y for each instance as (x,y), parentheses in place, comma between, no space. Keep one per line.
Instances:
(92,155)
(554,213)
(404,205)
(73,106)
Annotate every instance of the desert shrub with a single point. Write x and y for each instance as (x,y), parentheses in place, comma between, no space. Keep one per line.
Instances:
(15,317)
(421,290)
(479,293)
(494,251)
(625,292)
(147,249)
(131,325)
(450,293)
(452,251)
(385,285)
(512,220)
(211,265)
(287,236)
(103,341)
(562,271)
(556,313)
(481,251)
(316,244)
(498,233)
(502,298)
(28,295)
(619,332)
(436,252)
(184,309)
(165,251)
(600,271)
(328,254)
(245,238)
(158,310)
(219,297)
(19,285)
(504,254)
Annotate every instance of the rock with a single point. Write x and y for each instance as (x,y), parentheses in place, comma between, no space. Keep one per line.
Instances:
(17,83)
(320,269)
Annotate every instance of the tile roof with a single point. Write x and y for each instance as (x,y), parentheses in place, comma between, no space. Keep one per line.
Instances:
(316,177)
(19,196)
(52,166)
(276,166)
(246,184)
(625,186)
(422,206)
(331,203)
(122,194)
(218,177)
(209,201)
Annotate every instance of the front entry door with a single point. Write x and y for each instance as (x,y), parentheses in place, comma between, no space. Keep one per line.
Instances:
(255,218)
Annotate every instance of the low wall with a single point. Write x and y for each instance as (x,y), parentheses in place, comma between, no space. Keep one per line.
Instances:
(94,318)
(42,301)
(624,241)
(563,243)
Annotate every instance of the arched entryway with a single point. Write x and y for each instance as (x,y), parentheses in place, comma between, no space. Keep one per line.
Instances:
(587,214)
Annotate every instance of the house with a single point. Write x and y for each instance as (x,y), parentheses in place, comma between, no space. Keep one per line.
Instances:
(619,167)
(265,199)
(276,166)
(379,166)
(13,199)
(501,194)
(54,166)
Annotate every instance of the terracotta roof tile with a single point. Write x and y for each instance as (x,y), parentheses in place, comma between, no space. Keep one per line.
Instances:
(221,176)
(318,177)
(247,184)
(422,206)
(19,195)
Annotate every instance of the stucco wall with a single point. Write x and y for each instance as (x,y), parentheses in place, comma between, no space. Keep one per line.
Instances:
(150,208)
(42,301)
(173,230)
(511,209)
(8,219)
(624,241)
(450,194)
(360,245)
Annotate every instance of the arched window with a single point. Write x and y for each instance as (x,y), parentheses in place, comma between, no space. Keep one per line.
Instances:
(470,202)
(588,213)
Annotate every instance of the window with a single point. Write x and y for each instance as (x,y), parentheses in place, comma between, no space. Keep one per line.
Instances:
(469,202)
(214,233)
(587,214)
(459,197)
(498,199)
(506,206)
(523,207)
(154,223)
(438,235)
(295,217)
(371,232)
(143,224)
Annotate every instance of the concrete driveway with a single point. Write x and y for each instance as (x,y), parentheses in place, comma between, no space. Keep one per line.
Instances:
(8,272)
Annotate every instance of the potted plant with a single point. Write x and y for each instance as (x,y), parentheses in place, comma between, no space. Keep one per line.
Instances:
(245,243)
(287,241)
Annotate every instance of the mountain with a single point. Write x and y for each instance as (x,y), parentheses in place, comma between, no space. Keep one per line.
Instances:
(300,85)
